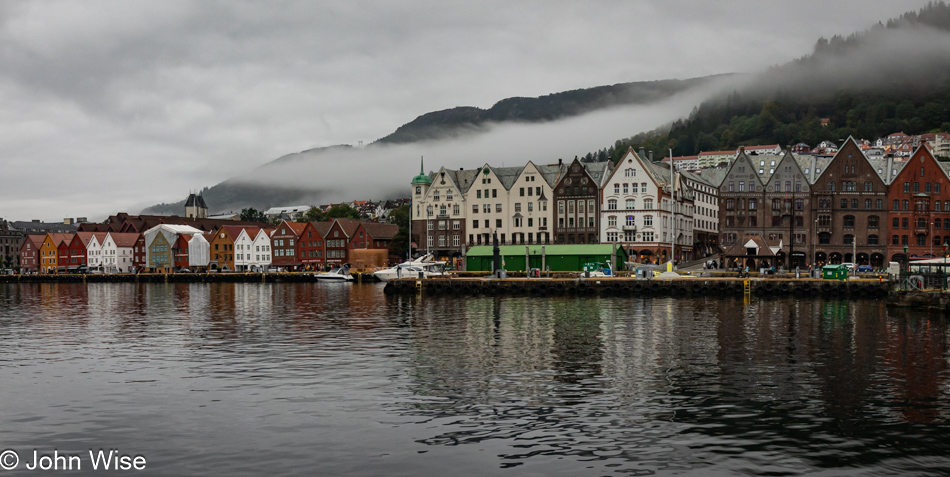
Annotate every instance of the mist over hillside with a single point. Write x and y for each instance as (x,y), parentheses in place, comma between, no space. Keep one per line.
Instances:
(379,171)
(459,121)
(892,77)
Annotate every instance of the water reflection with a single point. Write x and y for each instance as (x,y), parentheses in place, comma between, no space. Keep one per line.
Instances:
(662,385)
(347,379)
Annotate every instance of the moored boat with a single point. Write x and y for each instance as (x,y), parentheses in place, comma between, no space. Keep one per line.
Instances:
(412,268)
(341,274)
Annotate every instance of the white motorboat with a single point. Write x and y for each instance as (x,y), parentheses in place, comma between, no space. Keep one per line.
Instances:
(412,268)
(335,275)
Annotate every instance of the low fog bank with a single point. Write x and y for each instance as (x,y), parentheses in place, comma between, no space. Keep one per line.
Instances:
(384,171)
(882,58)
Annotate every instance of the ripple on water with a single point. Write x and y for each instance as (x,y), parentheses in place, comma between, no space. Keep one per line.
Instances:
(244,379)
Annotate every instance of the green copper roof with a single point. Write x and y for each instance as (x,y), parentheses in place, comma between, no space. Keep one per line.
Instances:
(422,178)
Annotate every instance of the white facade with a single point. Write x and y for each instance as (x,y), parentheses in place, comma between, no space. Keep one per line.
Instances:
(705,204)
(252,253)
(94,253)
(116,258)
(714,158)
(438,211)
(773,149)
(532,219)
(637,208)
(491,207)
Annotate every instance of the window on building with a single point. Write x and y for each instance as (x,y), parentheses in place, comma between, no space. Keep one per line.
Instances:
(848,221)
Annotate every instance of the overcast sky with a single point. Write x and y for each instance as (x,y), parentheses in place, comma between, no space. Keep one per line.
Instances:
(109,106)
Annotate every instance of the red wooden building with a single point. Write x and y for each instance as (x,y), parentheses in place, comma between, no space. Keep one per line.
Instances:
(919,210)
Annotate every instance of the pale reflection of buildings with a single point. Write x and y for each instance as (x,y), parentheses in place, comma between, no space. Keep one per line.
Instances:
(469,346)
(917,367)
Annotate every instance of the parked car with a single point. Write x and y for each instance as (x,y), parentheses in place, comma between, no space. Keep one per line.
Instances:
(850,266)
(864,268)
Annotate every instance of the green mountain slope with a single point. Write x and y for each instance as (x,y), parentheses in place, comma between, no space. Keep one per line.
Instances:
(893,77)
(458,121)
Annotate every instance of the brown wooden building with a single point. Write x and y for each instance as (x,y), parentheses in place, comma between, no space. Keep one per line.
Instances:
(577,199)
(919,202)
(848,206)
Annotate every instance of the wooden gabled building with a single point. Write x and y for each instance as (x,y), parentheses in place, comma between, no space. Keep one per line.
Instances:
(285,244)
(919,202)
(848,206)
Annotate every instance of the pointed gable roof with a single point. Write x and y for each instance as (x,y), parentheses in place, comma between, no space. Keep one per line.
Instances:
(507,175)
(125,239)
(847,151)
(743,160)
(922,152)
(322,228)
(380,231)
(443,178)
(551,173)
(348,226)
(99,236)
(84,237)
(59,238)
(35,239)
(463,179)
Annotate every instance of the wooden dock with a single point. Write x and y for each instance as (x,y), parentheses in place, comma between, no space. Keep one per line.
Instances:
(861,288)
(228,277)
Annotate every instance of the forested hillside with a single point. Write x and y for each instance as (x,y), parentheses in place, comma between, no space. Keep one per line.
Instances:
(460,120)
(893,77)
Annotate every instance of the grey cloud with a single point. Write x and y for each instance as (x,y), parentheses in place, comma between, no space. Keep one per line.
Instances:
(174,95)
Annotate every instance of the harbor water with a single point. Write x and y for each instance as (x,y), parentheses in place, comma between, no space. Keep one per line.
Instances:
(337,379)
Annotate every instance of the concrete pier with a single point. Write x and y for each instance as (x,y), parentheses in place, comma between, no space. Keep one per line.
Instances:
(633,287)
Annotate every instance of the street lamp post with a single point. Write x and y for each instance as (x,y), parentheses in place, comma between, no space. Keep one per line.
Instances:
(931,238)
(814,248)
(906,259)
(944,280)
